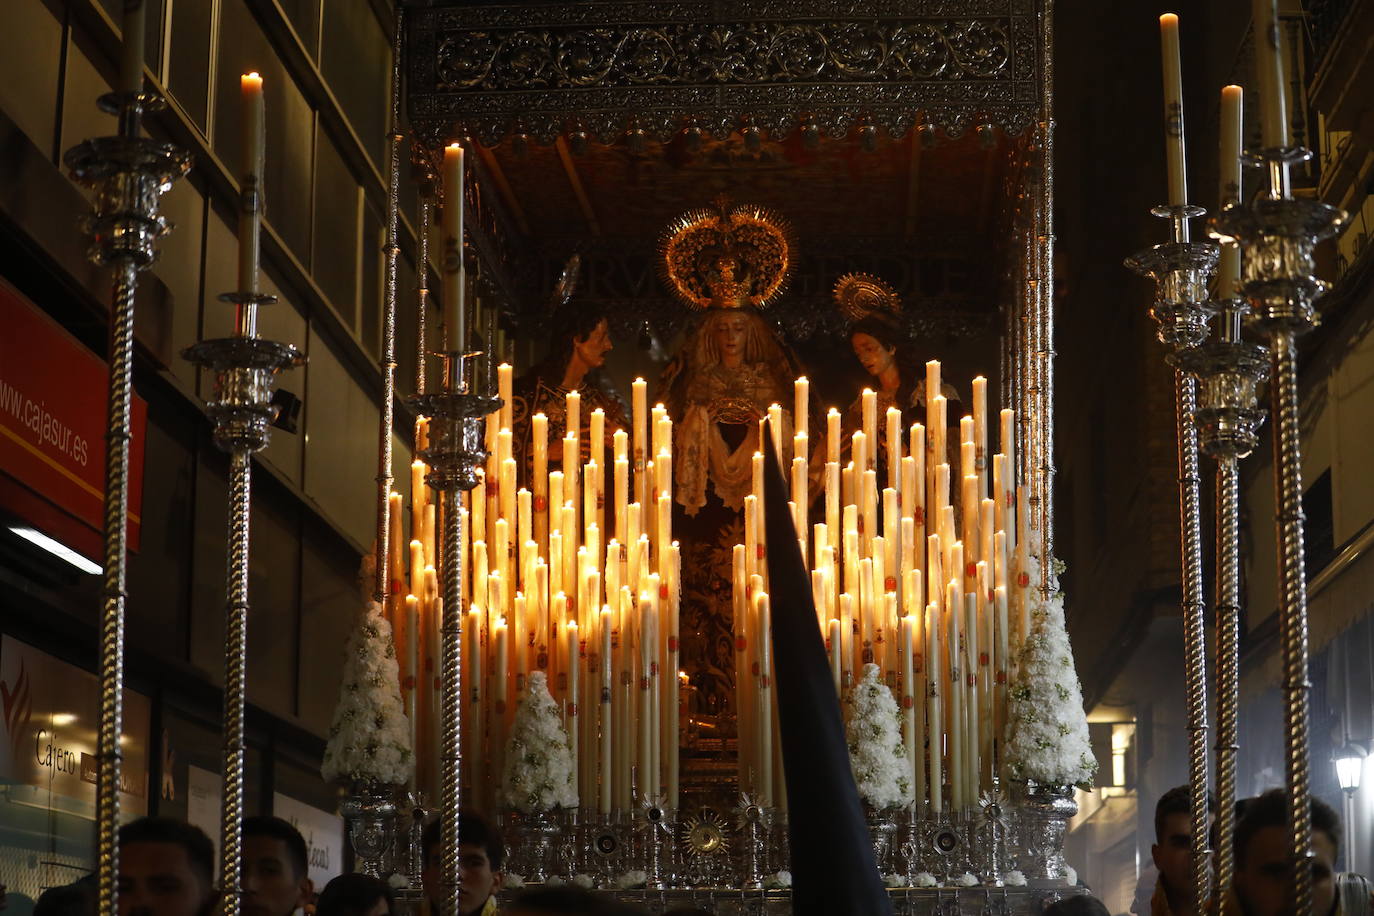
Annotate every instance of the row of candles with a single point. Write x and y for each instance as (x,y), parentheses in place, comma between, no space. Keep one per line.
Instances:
(923,583)
(553,581)
(926,581)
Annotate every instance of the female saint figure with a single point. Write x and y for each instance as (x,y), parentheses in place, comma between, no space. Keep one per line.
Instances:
(732,367)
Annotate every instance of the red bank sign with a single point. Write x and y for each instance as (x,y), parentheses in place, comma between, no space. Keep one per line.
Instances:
(52,416)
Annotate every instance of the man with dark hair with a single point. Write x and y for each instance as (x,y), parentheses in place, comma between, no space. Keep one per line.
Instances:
(579,339)
(166,868)
(1264,870)
(1172,852)
(275,863)
(481,856)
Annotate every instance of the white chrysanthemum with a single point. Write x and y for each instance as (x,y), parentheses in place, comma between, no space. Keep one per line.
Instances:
(877,753)
(1047,731)
(539,770)
(1016,879)
(966,880)
(924,879)
(369,739)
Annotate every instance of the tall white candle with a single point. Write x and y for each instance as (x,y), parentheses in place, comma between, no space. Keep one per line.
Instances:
(1269,63)
(131,49)
(1232,132)
(454,276)
(254,151)
(801,405)
(1173,110)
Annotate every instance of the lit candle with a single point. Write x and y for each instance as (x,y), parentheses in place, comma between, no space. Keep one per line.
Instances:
(832,436)
(1173,110)
(801,405)
(836,646)
(765,700)
(775,430)
(596,435)
(1228,268)
(955,692)
(572,656)
(980,433)
(869,401)
(505,385)
(934,718)
(607,725)
(454,277)
(907,651)
(894,447)
(474,729)
(639,419)
(254,146)
(131,50)
(1269,64)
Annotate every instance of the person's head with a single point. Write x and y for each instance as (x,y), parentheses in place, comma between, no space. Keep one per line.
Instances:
(1264,870)
(1173,847)
(481,856)
(875,340)
(732,336)
(355,895)
(579,334)
(276,877)
(1081,905)
(166,868)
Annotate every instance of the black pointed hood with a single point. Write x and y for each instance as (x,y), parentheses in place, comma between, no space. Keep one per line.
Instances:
(833,869)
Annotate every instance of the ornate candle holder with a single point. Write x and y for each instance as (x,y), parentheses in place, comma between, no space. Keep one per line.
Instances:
(242,411)
(129,174)
(1229,371)
(456,451)
(1277,234)
(370,809)
(1180,269)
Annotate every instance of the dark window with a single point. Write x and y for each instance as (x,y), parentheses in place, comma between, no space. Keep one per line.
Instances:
(1319,529)
(356,62)
(188,64)
(336,231)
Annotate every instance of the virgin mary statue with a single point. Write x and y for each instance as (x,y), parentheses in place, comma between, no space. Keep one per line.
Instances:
(727,264)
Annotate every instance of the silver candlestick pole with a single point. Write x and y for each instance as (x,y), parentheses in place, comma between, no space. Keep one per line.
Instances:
(129,174)
(1278,233)
(245,366)
(1180,269)
(456,451)
(1230,371)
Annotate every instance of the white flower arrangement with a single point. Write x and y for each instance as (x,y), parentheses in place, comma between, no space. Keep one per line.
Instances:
(894,880)
(924,879)
(877,753)
(1015,878)
(632,879)
(966,880)
(778,879)
(538,773)
(369,739)
(1047,734)
(1070,875)
(512,881)
(398,881)
(582,881)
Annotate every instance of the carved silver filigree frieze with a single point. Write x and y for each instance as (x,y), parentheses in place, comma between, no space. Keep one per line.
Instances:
(602,69)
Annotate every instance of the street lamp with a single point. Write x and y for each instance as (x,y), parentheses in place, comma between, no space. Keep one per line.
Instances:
(1350,766)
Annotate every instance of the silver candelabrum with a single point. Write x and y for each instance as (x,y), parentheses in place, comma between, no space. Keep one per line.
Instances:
(244,366)
(129,174)
(1180,269)
(1277,235)
(1229,371)
(456,452)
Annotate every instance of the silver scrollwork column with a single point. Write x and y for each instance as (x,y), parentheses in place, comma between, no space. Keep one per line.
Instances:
(129,174)
(456,450)
(1278,234)
(1182,311)
(1229,372)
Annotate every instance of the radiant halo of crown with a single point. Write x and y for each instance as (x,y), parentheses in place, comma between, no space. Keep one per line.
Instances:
(858,295)
(725,256)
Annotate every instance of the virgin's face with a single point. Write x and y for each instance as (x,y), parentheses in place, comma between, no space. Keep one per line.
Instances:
(593,348)
(875,357)
(730,333)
